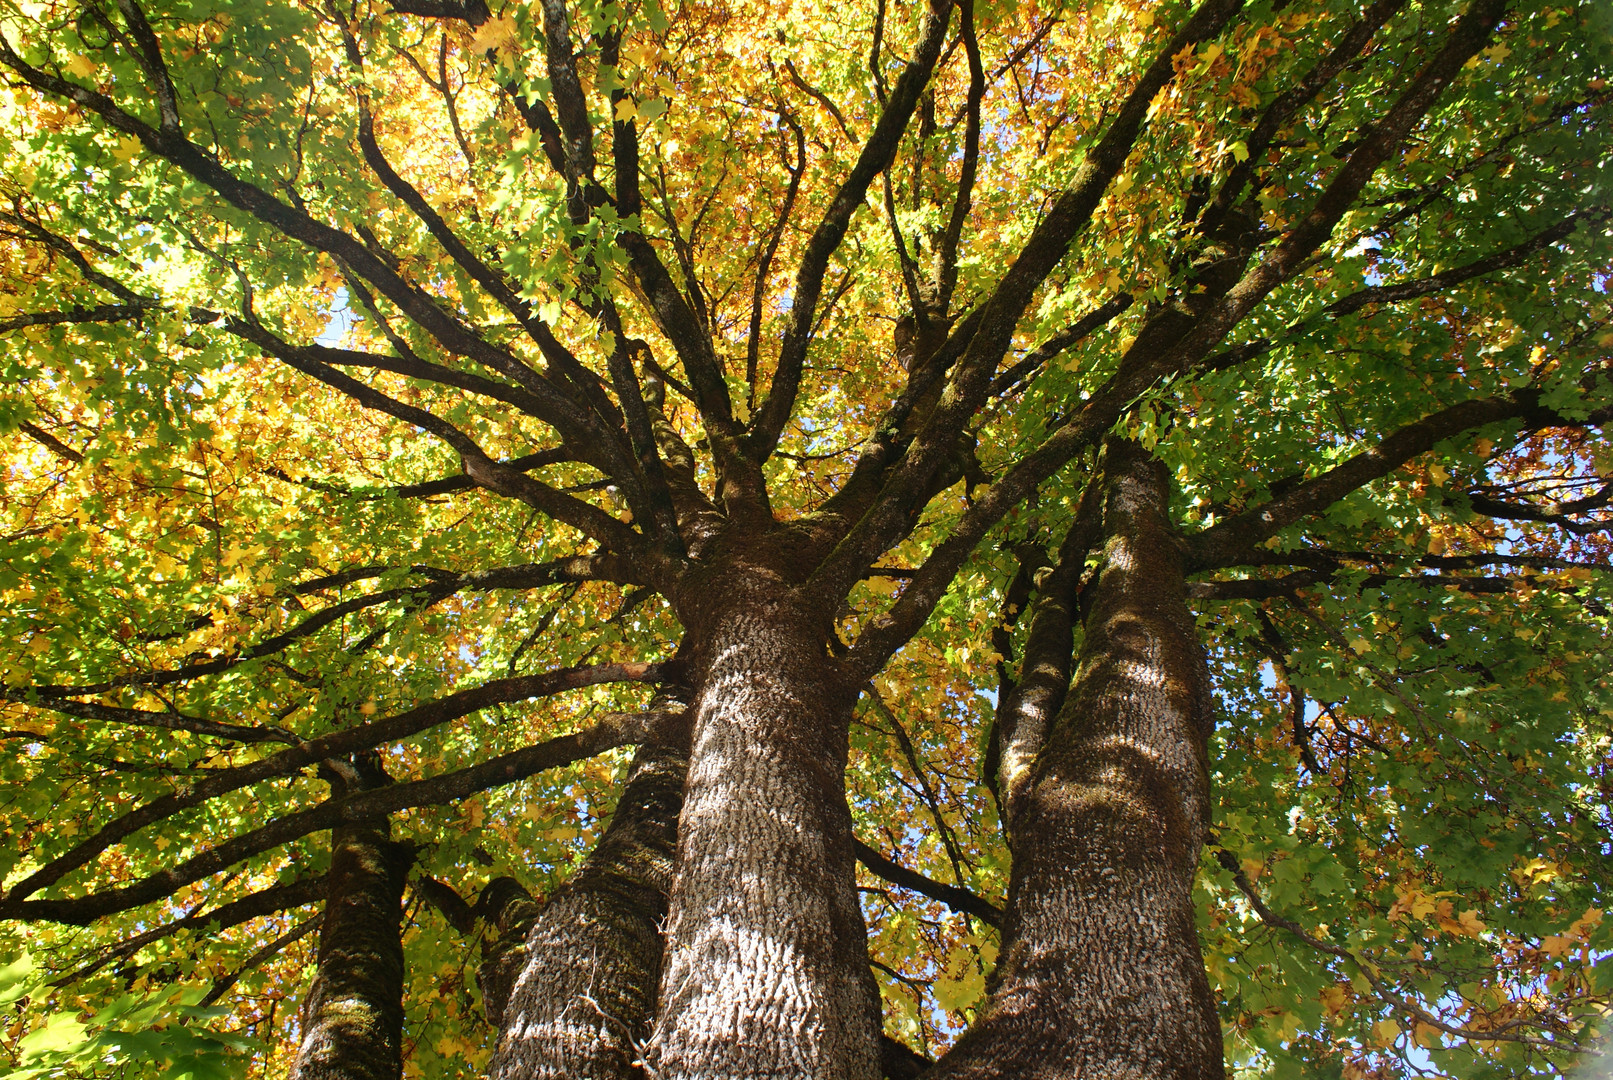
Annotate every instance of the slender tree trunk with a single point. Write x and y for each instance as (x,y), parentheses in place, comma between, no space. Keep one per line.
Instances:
(577,998)
(766,970)
(353,1018)
(1102,974)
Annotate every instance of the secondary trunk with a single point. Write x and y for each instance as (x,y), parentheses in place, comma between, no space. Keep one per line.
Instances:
(766,969)
(584,981)
(1102,974)
(353,1017)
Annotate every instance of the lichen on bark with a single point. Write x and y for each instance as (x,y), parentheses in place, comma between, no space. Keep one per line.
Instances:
(353,1016)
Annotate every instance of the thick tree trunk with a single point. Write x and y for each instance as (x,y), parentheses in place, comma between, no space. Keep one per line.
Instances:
(1102,974)
(766,969)
(353,1018)
(577,998)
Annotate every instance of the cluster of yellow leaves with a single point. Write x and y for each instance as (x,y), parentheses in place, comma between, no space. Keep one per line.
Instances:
(1413,901)
(1555,945)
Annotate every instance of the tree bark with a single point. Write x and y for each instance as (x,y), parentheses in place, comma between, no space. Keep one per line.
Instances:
(1102,973)
(766,969)
(353,1017)
(577,998)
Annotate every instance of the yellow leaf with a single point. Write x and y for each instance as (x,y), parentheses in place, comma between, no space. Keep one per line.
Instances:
(1333,999)
(1385,1032)
(494,34)
(1556,944)
(80,66)
(1414,902)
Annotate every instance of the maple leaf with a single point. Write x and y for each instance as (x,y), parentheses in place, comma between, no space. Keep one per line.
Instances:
(495,35)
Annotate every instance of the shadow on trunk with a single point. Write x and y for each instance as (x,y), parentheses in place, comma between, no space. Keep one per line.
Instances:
(1102,972)
(353,1017)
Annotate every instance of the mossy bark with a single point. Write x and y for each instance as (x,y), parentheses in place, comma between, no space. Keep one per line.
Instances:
(571,984)
(353,1017)
(1102,972)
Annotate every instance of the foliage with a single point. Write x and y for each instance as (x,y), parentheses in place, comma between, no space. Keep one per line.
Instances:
(137,1034)
(236,512)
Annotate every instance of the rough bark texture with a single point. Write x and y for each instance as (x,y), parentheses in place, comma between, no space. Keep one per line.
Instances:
(766,969)
(1102,973)
(577,998)
(353,1018)
(510,912)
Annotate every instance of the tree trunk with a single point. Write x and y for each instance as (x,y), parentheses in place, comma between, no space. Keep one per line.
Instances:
(584,982)
(1102,973)
(767,969)
(353,1017)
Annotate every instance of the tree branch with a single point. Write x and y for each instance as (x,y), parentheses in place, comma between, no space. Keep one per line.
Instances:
(1067,338)
(1225,543)
(171,720)
(958,899)
(616,730)
(334,745)
(276,898)
(50,442)
(101,313)
(991,330)
(875,158)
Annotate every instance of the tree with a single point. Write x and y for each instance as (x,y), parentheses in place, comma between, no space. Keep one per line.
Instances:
(1128,476)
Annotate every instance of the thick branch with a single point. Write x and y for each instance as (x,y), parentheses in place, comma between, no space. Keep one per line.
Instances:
(894,511)
(1070,336)
(426,489)
(337,744)
(616,730)
(764,268)
(958,899)
(946,250)
(1225,543)
(50,442)
(171,720)
(101,313)
(875,157)
(276,898)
